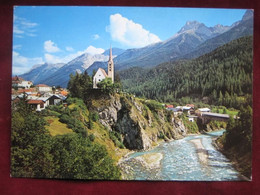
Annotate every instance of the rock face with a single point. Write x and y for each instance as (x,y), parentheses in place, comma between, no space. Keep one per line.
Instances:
(108,113)
(140,127)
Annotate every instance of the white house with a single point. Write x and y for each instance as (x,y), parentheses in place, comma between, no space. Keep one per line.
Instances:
(21,83)
(44,100)
(43,88)
(25,84)
(38,105)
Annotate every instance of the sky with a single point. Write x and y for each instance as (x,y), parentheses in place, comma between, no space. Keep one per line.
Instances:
(58,34)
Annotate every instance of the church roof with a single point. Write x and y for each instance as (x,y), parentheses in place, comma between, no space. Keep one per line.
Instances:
(103,71)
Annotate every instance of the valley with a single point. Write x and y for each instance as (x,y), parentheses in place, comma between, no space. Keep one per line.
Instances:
(179,109)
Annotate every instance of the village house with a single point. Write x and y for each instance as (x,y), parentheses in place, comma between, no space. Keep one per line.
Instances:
(37,105)
(190,105)
(101,73)
(63,92)
(39,97)
(185,109)
(43,88)
(169,107)
(18,82)
(40,103)
(54,100)
(30,91)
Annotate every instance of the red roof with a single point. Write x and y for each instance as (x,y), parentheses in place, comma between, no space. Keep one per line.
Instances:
(42,85)
(35,102)
(169,106)
(190,105)
(65,93)
(25,90)
(16,78)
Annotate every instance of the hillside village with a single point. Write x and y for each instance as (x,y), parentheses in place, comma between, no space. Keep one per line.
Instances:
(41,96)
(38,97)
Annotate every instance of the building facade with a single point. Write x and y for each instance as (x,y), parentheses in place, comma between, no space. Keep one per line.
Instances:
(99,76)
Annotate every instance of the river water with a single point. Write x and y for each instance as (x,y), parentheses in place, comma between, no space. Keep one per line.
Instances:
(181,162)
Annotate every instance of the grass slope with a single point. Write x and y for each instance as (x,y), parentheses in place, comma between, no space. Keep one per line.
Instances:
(55,127)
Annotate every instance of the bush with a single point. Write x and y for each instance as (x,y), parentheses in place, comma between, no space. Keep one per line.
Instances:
(90,124)
(116,138)
(217,124)
(94,116)
(145,112)
(161,135)
(56,108)
(65,118)
(91,137)
(191,126)
(154,105)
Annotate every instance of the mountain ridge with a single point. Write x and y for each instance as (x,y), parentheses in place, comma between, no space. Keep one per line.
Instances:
(192,40)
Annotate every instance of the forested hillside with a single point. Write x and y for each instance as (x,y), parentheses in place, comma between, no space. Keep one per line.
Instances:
(74,155)
(223,76)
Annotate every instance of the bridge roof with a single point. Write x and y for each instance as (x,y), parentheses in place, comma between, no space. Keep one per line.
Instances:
(215,115)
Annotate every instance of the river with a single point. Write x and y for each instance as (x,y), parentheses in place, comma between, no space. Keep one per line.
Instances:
(192,158)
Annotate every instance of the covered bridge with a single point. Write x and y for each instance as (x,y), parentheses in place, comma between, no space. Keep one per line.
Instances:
(209,116)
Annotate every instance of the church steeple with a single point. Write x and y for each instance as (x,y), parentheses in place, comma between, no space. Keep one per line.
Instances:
(110,66)
(110,54)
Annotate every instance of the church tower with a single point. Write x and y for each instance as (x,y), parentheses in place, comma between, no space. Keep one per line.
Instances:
(110,66)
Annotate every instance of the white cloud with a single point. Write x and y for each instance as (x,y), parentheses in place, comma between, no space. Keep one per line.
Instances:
(23,27)
(92,50)
(28,24)
(50,47)
(65,59)
(69,49)
(17,30)
(130,33)
(96,36)
(17,46)
(23,64)
(52,59)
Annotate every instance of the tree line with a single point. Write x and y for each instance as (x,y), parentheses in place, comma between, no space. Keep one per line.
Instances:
(81,85)
(224,76)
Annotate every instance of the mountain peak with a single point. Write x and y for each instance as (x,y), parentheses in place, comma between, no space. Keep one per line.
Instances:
(249,14)
(190,25)
(218,26)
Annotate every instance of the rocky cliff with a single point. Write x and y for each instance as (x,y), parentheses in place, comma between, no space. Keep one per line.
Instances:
(141,123)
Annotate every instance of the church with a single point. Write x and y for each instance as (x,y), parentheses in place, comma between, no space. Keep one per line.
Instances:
(101,73)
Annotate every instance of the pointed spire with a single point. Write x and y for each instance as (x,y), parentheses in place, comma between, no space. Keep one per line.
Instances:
(110,53)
